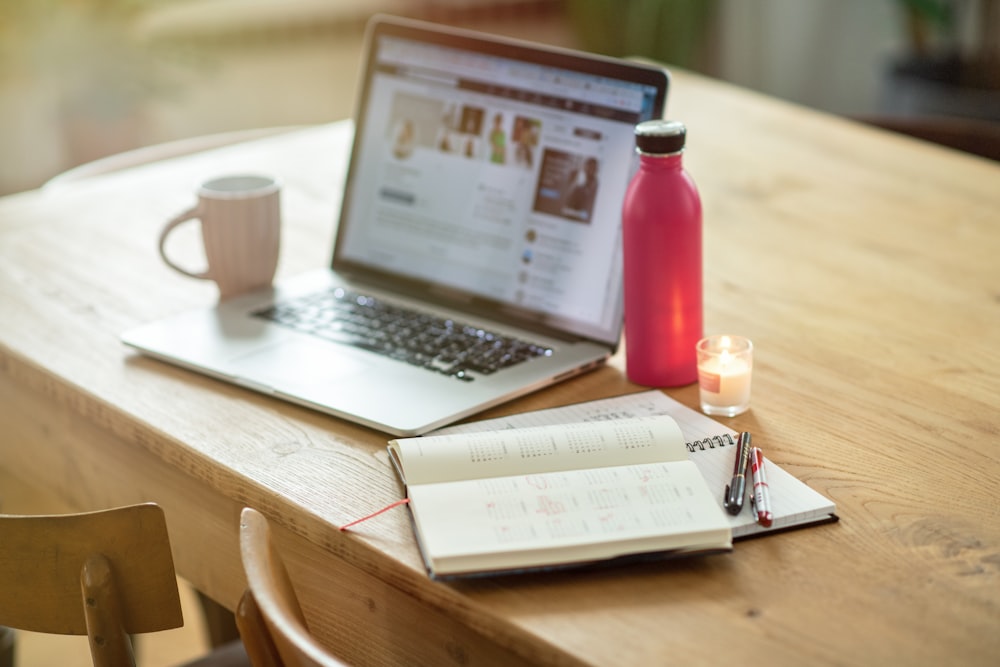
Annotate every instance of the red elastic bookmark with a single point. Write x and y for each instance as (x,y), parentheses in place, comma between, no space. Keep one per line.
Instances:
(388,507)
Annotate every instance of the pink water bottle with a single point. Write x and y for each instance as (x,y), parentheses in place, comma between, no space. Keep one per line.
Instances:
(661,230)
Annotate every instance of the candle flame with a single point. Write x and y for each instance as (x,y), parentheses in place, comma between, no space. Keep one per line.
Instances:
(725,358)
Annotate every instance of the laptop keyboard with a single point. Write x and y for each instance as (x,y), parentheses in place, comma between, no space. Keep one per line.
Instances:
(438,344)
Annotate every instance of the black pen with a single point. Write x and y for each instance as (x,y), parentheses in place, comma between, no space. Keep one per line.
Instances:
(736,489)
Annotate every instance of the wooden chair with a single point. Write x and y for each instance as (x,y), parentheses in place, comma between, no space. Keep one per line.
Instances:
(106,574)
(269,616)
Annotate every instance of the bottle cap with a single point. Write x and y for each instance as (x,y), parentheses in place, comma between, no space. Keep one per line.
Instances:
(660,136)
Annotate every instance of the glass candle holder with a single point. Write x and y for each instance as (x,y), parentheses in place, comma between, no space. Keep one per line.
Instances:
(725,366)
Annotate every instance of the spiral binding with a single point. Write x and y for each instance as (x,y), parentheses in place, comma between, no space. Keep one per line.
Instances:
(712,442)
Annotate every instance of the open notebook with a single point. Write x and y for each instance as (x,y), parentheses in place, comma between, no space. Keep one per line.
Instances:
(558,496)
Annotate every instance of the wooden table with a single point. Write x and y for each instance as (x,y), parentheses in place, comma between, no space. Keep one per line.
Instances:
(864,266)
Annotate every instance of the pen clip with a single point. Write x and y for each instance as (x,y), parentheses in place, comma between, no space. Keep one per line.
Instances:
(725,497)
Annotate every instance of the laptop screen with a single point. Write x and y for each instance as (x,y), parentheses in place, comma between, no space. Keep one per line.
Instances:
(491,174)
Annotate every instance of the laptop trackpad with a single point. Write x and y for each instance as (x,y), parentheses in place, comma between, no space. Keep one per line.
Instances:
(299,363)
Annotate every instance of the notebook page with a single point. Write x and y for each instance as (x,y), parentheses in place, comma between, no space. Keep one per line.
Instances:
(642,404)
(694,425)
(507,452)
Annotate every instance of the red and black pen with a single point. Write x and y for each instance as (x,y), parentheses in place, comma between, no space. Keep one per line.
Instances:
(761,493)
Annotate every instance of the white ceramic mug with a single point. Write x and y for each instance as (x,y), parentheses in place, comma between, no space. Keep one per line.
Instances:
(241,230)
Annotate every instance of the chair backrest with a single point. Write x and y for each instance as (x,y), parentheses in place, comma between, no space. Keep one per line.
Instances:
(269,617)
(105,574)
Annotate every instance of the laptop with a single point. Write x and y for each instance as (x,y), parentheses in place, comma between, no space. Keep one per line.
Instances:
(478,250)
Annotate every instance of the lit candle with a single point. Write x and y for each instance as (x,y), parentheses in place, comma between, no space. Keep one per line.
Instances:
(725,365)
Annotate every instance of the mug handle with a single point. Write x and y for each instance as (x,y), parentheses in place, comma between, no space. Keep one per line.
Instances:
(191,214)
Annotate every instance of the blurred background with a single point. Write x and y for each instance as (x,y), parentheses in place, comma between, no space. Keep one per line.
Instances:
(82,79)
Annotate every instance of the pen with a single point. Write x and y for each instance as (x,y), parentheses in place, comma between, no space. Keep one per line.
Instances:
(761,491)
(736,489)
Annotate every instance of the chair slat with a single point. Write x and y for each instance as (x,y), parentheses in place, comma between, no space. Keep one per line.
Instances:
(41,559)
